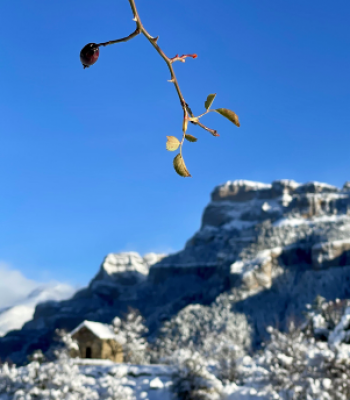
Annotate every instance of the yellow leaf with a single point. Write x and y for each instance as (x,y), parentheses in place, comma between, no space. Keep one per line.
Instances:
(230,115)
(180,167)
(172,144)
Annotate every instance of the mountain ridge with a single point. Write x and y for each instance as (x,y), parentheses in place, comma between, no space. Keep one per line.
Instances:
(273,246)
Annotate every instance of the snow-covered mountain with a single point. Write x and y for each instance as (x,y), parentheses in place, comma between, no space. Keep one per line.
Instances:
(269,248)
(22,311)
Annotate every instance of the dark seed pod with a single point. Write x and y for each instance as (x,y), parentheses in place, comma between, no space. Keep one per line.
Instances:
(89,54)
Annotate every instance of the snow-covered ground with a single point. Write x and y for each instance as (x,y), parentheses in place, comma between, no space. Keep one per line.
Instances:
(96,379)
(147,382)
(22,311)
(72,380)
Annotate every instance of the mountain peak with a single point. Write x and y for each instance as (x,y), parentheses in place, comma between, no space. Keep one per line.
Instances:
(126,268)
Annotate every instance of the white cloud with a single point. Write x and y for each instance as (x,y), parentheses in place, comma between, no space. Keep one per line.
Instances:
(14,286)
(19,296)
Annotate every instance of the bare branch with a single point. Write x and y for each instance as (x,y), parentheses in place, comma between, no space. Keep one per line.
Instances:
(125,39)
(90,54)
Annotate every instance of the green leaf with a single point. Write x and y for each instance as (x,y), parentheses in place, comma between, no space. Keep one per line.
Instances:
(191,138)
(180,167)
(209,101)
(172,144)
(230,115)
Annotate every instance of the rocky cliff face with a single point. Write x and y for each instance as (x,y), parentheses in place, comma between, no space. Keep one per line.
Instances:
(271,247)
(248,227)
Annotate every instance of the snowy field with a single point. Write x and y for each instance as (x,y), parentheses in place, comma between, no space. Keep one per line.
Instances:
(75,380)
(95,379)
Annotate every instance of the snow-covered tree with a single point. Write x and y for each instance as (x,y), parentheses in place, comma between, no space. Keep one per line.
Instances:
(285,358)
(65,344)
(192,380)
(215,332)
(38,356)
(298,367)
(58,380)
(322,317)
(132,330)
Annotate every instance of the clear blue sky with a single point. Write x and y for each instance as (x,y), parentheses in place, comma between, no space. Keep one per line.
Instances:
(83,165)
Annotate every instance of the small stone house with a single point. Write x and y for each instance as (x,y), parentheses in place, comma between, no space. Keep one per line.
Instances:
(96,340)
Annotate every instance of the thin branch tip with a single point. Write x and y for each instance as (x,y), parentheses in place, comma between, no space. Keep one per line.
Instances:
(183,57)
(169,61)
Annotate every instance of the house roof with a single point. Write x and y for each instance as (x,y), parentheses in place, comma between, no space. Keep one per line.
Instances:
(102,331)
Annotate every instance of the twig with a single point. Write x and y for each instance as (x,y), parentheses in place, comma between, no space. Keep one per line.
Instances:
(125,39)
(173,78)
(183,57)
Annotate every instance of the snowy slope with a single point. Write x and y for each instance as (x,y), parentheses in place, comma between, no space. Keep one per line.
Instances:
(16,316)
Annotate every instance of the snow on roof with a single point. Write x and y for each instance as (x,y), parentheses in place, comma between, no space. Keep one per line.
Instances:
(102,331)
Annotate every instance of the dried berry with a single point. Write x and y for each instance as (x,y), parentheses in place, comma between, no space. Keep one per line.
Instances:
(89,54)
